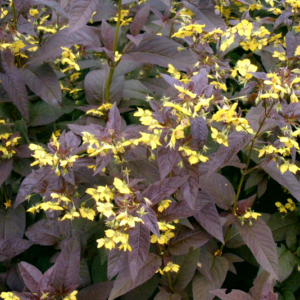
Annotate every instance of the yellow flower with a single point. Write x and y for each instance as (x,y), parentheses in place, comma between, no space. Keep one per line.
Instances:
(290,143)
(219,137)
(220,85)
(87,213)
(188,30)
(270,149)
(33,12)
(244,28)
(185,92)
(286,166)
(171,267)
(9,296)
(7,203)
(251,215)
(72,296)
(71,215)
(281,207)
(290,205)
(106,209)
(178,108)
(47,29)
(121,186)
(174,72)
(227,42)
(163,205)
(297,52)
(280,55)
(244,67)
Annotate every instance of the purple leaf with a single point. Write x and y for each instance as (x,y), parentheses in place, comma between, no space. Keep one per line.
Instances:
(139,240)
(28,185)
(233,295)
(199,131)
(219,159)
(185,238)
(167,158)
(288,179)
(190,188)
(124,283)
(85,36)
(116,261)
(97,291)
(202,286)
(31,276)
(114,120)
(163,188)
(139,20)
(67,267)
(150,220)
(14,84)
(263,287)
(10,248)
(95,87)
(281,227)
(107,35)
(207,16)
(159,50)
(51,3)
(12,223)
(43,81)
(48,232)
(81,12)
(208,218)
(188,265)
(219,189)
(6,166)
(258,238)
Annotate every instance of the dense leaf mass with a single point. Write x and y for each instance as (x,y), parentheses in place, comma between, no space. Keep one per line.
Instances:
(149,150)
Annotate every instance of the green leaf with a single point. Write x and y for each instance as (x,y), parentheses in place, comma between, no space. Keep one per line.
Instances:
(286,262)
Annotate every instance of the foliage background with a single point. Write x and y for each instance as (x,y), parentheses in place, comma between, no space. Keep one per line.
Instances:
(149,150)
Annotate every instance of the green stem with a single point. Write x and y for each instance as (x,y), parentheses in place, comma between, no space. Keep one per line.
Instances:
(115,46)
(4,192)
(170,282)
(14,14)
(245,172)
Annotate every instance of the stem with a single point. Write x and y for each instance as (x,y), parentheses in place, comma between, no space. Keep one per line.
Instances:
(112,67)
(245,172)
(15,14)
(4,192)
(170,282)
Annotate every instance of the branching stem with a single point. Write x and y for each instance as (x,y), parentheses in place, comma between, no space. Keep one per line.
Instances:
(115,46)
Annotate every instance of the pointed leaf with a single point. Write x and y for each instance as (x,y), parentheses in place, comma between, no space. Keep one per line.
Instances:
(31,276)
(6,166)
(116,261)
(10,248)
(139,240)
(124,283)
(159,50)
(166,160)
(107,35)
(12,223)
(199,131)
(188,266)
(233,295)
(139,20)
(67,267)
(114,119)
(202,286)
(208,218)
(81,12)
(97,291)
(43,81)
(163,188)
(286,262)
(14,85)
(258,238)
(186,238)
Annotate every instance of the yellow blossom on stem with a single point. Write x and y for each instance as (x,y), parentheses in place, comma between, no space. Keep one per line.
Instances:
(219,137)
(71,296)
(9,296)
(121,186)
(87,213)
(171,267)
(163,205)
(281,207)
(290,205)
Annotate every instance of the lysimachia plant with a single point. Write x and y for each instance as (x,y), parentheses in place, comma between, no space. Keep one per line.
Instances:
(149,149)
